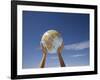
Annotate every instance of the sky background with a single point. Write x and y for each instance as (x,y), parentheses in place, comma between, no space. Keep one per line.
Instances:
(74,28)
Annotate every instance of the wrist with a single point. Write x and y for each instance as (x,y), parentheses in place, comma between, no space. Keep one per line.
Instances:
(44,55)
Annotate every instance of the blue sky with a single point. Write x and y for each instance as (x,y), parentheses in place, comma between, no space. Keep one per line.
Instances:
(74,28)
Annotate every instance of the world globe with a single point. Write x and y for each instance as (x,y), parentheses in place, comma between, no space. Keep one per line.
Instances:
(51,40)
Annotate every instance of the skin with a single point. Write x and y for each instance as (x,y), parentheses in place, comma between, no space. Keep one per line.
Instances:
(44,51)
(59,51)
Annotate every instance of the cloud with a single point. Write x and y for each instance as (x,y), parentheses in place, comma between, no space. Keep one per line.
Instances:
(78,55)
(77,46)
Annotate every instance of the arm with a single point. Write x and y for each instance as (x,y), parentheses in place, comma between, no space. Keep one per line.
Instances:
(62,64)
(42,64)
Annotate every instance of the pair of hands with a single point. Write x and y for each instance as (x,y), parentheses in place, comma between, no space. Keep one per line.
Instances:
(59,51)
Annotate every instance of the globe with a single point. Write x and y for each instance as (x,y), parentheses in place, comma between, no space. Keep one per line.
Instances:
(51,40)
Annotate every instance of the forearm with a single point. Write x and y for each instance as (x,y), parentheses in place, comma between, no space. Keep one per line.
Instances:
(62,64)
(42,64)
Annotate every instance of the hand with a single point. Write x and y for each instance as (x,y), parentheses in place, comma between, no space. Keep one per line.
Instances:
(60,48)
(44,50)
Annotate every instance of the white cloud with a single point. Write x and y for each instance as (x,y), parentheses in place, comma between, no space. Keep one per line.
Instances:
(78,55)
(77,46)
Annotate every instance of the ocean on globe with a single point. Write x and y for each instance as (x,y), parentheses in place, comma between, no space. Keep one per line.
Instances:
(52,40)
